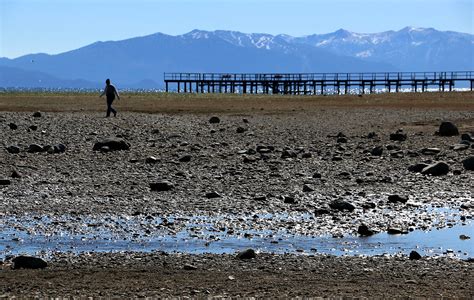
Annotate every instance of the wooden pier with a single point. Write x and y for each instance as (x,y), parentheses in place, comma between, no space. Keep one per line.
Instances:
(315,83)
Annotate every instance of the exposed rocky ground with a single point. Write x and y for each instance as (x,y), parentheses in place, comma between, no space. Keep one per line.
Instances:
(340,168)
(269,276)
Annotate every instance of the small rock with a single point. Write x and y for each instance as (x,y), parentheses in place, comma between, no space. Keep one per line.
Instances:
(417,168)
(288,154)
(35,148)
(363,230)
(398,136)
(306,155)
(161,186)
(15,174)
(341,205)
(467,137)
(436,169)
(371,135)
(414,255)
(5,182)
(189,268)
(397,198)
(448,129)
(245,120)
(468,163)
(214,120)
(430,151)
(377,151)
(37,114)
(317,175)
(341,140)
(13,149)
(307,188)
(114,144)
(59,148)
(28,262)
(321,211)
(395,230)
(212,195)
(151,160)
(33,127)
(13,126)
(241,129)
(289,200)
(185,158)
(247,254)
(460,147)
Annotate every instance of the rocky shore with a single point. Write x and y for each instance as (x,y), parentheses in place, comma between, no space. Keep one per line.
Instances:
(336,171)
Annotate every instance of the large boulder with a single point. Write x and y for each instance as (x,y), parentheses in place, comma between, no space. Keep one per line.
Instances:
(448,129)
(437,169)
(468,163)
(113,144)
(28,262)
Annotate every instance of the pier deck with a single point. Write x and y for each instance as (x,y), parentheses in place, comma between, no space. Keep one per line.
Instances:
(314,83)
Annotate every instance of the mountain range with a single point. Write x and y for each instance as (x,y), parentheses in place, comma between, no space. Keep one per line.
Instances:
(140,62)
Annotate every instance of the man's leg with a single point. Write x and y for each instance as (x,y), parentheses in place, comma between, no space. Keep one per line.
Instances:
(109,108)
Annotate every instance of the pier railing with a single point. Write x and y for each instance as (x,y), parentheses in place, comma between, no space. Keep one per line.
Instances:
(292,82)
(457,75)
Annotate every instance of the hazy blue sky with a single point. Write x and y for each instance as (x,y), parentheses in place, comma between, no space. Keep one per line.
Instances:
(54,26)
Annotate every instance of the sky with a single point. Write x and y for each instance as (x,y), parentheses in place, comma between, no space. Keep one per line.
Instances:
(55,26)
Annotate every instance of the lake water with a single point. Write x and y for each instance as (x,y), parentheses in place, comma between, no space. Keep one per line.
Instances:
(436,242)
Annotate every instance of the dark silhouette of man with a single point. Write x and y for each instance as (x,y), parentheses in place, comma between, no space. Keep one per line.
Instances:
(110,92)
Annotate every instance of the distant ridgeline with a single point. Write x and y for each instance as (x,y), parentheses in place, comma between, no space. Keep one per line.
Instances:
(316,83)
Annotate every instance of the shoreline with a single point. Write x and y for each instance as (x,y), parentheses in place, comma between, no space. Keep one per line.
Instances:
(267,156)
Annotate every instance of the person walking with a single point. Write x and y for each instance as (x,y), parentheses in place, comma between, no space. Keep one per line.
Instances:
(110,91)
